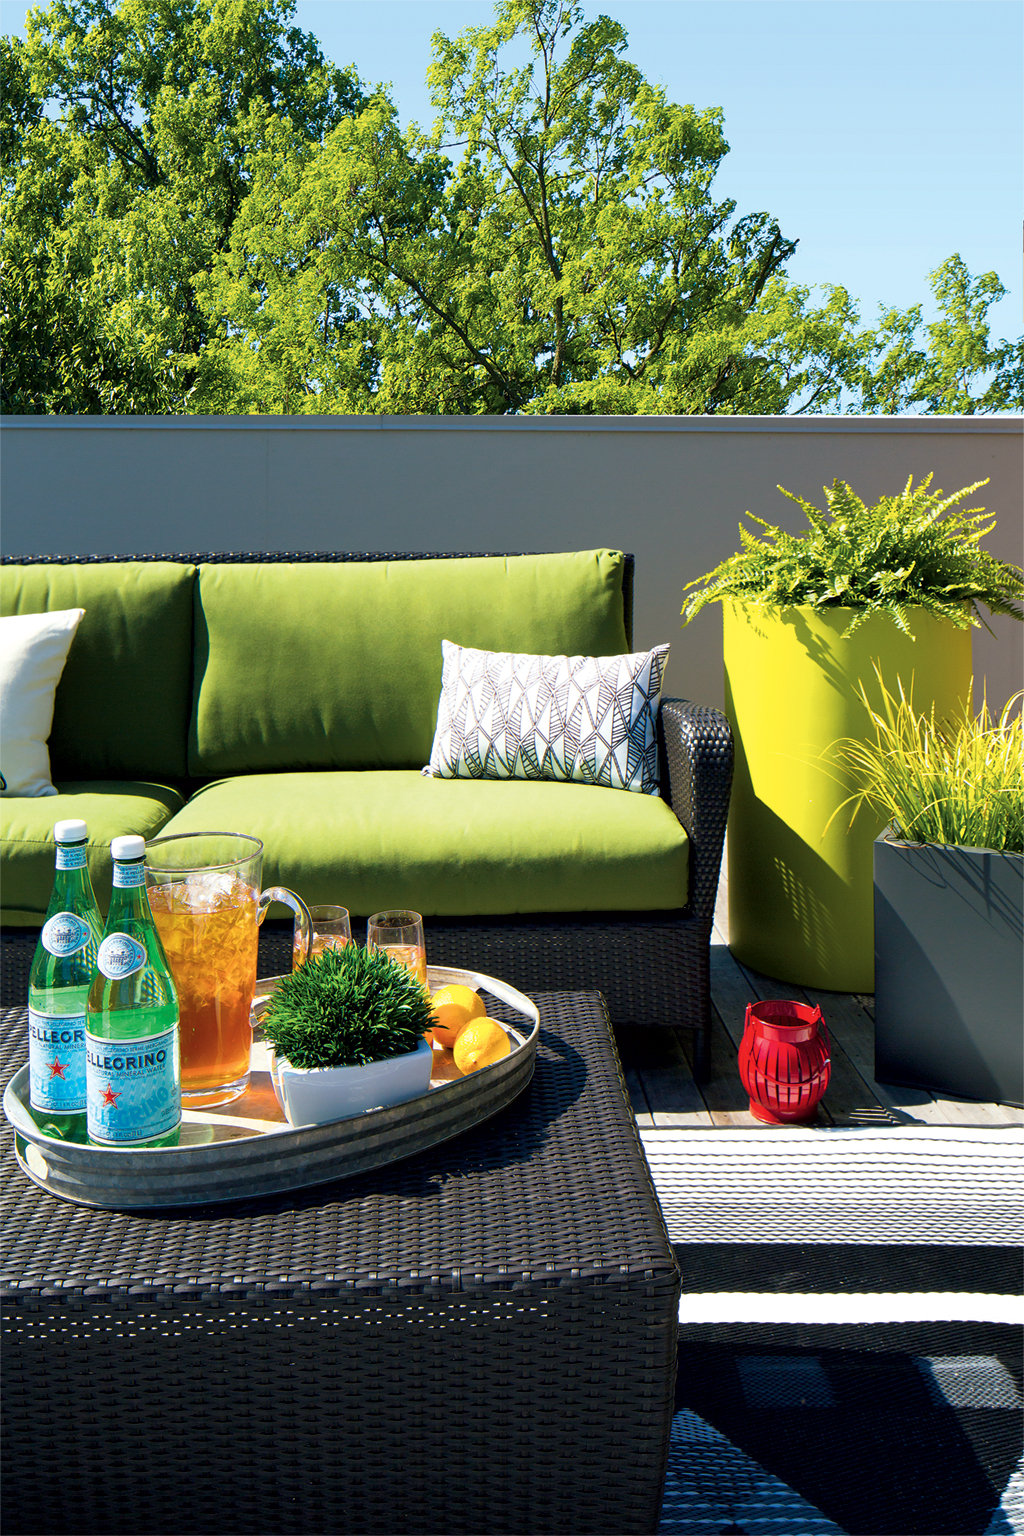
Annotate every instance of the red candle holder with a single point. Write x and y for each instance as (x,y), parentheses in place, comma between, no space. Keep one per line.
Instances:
(784,1061)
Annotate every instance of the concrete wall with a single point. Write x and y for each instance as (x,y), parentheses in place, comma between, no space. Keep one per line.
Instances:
(672,490)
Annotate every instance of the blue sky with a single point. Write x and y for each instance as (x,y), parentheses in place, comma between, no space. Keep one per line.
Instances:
(883,134)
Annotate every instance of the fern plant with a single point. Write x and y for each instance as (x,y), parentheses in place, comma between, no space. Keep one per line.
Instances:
(915,550)
(345,1008)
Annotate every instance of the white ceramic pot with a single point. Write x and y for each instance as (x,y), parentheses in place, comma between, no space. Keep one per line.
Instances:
(317,1095)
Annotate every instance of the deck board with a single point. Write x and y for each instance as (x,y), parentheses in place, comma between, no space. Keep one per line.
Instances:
(664,1095)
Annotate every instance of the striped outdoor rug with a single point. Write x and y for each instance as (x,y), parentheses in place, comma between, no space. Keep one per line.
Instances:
(907,1184)
(906,1431)
(851,1329)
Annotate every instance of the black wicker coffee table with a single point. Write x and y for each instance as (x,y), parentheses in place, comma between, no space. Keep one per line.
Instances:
(482,1339)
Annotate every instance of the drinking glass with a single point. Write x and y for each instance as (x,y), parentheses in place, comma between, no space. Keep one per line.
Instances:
(204,890)
(331,930)
(400,934)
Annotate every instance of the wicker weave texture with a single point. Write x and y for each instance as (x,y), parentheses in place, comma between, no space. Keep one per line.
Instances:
(653,968)
(482,1339)
(696,782)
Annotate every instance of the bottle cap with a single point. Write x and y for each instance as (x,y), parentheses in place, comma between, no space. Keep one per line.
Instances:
(70,832)
(130,846)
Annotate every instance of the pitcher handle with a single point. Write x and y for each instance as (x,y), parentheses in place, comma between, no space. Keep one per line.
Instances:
(298,906)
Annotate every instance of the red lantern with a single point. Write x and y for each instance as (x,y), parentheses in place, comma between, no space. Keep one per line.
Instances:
(784,1061)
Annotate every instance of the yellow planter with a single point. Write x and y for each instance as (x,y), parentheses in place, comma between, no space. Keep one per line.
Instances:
(800,897)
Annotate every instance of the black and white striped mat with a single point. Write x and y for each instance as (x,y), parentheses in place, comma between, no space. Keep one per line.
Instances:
(912,1431)
(907,1184)
(850,1332)
(847,1388)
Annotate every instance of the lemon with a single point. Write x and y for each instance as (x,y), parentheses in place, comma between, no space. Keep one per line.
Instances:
(454,1006)
(479,1043)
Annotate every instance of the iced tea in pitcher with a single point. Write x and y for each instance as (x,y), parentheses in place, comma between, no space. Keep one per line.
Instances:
(208,929)
(204,891)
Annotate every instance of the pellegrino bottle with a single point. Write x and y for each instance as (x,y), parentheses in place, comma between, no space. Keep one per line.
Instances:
(63,967)
(133,1075)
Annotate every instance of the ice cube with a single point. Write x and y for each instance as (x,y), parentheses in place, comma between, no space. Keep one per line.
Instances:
(210,890)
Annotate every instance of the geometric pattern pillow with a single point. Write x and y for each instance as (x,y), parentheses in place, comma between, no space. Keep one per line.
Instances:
(590,719)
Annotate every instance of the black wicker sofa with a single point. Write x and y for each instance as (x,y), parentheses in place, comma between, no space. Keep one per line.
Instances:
(297,693)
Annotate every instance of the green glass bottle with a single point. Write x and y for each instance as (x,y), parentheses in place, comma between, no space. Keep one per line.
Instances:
(132,1066)
(62,970)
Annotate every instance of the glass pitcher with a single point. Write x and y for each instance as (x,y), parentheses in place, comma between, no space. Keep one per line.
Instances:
(204,889)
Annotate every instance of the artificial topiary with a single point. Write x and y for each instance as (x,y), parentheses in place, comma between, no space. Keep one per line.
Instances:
(347,1007)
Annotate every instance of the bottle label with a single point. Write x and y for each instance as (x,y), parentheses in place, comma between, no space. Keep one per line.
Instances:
(70,855)
(119,956)
(127,877)
(65,933)
(133,1091)
(56,1062)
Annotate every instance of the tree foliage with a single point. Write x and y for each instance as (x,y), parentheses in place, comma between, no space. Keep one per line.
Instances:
(898,375)
(126,160)
(203,214)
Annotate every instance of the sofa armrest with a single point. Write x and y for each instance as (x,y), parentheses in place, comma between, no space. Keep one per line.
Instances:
(696,762)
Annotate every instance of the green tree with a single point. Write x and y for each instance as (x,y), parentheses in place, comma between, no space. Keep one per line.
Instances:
(202,214)
(574,259)
(127,144)
(898,373)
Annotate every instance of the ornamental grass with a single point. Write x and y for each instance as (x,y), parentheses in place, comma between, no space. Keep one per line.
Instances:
(958,781)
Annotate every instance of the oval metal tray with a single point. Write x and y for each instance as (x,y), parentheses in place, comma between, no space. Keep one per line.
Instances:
(247,1148)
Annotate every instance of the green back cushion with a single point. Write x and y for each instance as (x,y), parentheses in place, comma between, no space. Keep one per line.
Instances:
(339,665)
(123,701)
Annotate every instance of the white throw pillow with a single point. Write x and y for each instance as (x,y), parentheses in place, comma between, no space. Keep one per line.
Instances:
(33,650)
(589,719)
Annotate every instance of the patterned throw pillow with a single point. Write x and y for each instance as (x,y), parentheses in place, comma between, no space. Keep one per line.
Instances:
(586,718)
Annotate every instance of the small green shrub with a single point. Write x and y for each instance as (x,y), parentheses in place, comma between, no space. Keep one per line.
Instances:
(348,1007)
(959,781)
(906,551)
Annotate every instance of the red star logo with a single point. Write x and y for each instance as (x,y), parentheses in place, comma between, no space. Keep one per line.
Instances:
(57,1068)
(109,1096)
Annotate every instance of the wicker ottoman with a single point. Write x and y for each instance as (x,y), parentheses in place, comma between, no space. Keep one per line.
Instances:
(482,1339)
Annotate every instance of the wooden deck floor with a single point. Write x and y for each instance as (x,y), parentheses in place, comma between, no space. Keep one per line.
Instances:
(664,1093)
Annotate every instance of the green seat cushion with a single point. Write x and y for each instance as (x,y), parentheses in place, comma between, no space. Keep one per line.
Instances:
(453,847)
(123,702)
(338,665)
(108,809)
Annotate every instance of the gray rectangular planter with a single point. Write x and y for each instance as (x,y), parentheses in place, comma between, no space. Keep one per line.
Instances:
(949,970)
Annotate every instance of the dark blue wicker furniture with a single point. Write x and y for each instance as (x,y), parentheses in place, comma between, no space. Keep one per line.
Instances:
(652,966)
(479,1340)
